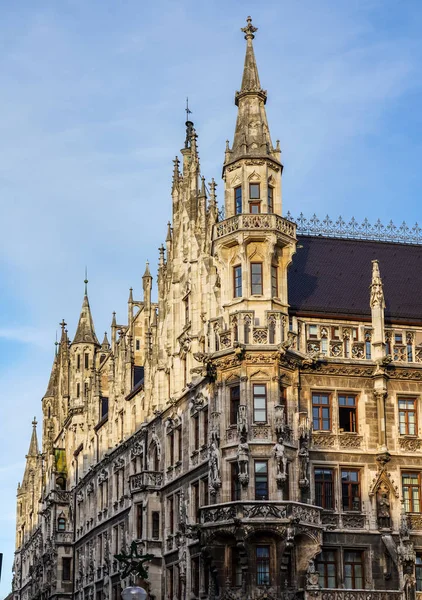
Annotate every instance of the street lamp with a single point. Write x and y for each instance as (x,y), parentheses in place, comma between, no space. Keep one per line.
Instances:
(134,592)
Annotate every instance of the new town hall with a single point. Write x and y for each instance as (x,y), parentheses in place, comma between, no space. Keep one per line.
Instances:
(259,428)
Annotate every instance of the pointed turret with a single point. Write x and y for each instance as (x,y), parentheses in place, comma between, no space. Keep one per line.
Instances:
(33,445)
(85,332)
(105,345)
(252,135)
(52,384)
(147,286)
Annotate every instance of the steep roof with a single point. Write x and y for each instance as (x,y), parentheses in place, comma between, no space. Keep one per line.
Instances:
(85,333)
(332,276)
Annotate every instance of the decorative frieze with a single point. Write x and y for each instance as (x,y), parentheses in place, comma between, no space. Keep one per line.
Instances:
(409,444)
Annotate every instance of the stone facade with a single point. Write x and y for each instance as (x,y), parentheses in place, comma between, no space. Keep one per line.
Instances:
(253,451)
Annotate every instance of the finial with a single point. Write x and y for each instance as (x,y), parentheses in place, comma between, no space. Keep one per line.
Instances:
(86,281)
(63,325)
(147,271)
(249,30)
(130,295)
(113,320)
(187,110)
(56,343)
(34,422)
(168,238)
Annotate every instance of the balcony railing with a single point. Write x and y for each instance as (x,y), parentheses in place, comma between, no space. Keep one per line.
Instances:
(150,480)
(216,514)
(261,221)
(332,594)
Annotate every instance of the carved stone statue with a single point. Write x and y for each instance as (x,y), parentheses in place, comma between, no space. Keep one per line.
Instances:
(214,467)
(182,510)
(242,420)
(303,467)
(312,576)
(243,461)
(383,510)
(281,461)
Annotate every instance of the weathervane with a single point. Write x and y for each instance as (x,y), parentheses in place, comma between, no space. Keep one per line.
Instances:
(187,109)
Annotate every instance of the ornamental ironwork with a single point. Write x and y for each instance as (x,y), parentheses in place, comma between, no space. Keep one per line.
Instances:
(353,229)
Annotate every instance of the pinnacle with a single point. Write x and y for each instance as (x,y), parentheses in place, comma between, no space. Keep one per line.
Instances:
(85,332)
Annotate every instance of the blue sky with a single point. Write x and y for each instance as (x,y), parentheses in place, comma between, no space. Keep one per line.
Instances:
(92,114)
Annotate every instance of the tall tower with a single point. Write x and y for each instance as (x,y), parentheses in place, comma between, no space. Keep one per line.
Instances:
(253,245)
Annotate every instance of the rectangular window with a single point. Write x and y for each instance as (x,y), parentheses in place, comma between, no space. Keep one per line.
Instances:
(85,389)
(170,582)
(261,480)
(116,539)
(353,569)
(260,403)
(236,487)
(321,412)
(195,575)
(139,521)
(137,344)
(78,390)
(368,345)
(78,361)
(407,416)
(196,431)
(205,426)
(335,333)
(205,492)
(155,525)
(274,281)
(186,304)
(254,191)
(234,403)
(418,572)
(66,568)
(104,407)
(411,483)
(409,352)
(237,281)
(326,566)
(256,279)
(270,199)
(238,200)
(86,360)
(262,565)
(195,501)
(398,338)
(171,513)
(179,444)
(255,208)
(347,413)
(350,489)
(171,447)
(313,331)
(236,567)
(324,488)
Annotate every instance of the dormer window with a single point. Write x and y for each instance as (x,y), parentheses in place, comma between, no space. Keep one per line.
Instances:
(238,200)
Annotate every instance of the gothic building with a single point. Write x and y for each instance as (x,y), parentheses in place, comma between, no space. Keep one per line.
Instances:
(258,429)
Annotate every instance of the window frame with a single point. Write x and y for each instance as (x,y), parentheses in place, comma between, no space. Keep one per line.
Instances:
(264,479)
(261,277)
(263,561)
(406,412)
(237,281)
(353,411)
(155,525)
(418,571)
(257,396)
(66,571)
(234,403)
(320,406)
(236,487)
(324,483)
(361,563)
(270,199)
(237,199)
(254,185)
(350,483)
(274,281)
(409,502)
(322,567)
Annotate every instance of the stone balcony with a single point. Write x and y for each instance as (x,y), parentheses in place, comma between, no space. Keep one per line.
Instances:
(145,480)
(259,511)
(334,594)
(253,223)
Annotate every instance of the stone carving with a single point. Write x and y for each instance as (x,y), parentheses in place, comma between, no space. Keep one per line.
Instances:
(118,464)
(324,440)
(243,461)
(136,450)
(351,521)
(242,420)
(279,419)
(303,467)
(383,509)
(214,467)
(260,432)
(312,577)
(79,497)
(102,476)
(410,444)
(281,462)
(350,440)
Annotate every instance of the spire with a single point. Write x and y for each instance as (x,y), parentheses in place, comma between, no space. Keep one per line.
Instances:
(51,388)
(250,79)
(130,299)
(33,446)
(202,192)
(85,332)
(168,238)
(377,293)
(147,271)
(252,136)
(105,345)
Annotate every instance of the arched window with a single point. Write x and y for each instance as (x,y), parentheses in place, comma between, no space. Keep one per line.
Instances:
(61,523)
(154,460)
